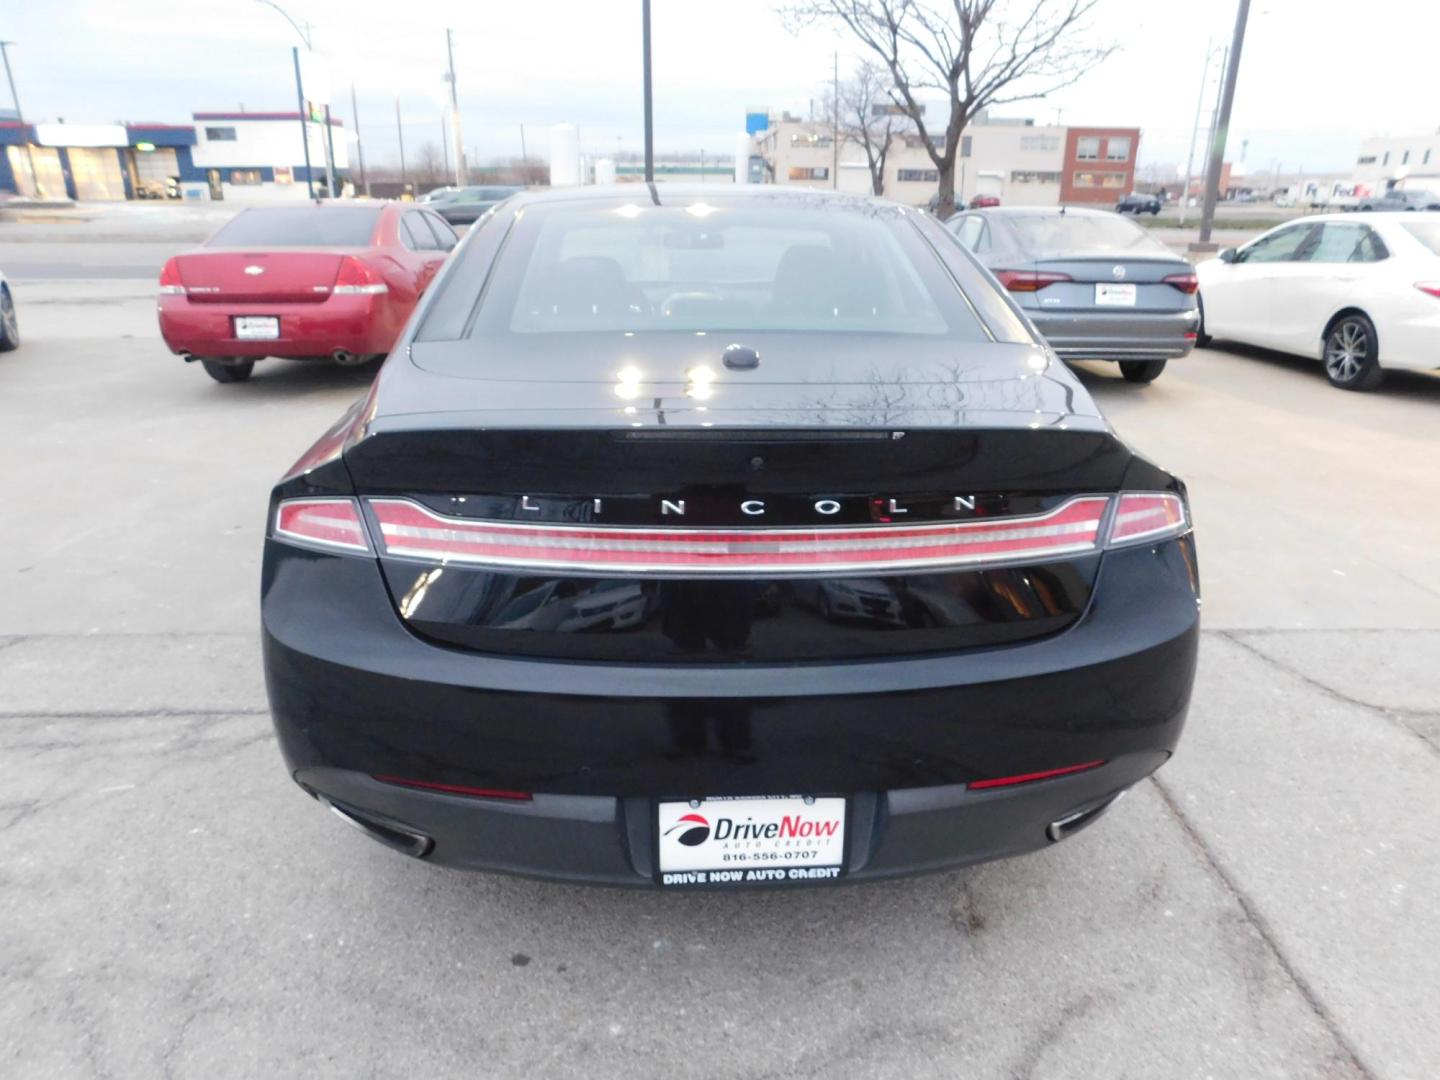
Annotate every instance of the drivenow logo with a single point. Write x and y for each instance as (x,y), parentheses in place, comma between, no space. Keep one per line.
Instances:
(696,830)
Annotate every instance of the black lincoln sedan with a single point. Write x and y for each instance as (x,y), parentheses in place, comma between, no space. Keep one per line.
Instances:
(698,539)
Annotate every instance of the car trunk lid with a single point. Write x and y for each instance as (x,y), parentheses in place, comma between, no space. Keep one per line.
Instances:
(243,276)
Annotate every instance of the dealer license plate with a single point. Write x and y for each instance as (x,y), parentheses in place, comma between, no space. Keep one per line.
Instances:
(751,840)
(257,327)
(1108,295)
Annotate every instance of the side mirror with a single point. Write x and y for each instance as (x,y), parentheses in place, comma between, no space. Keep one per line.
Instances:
(1229,255)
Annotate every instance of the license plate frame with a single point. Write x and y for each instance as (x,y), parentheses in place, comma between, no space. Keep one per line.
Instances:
(1115,294)
(801,840)
(256,327)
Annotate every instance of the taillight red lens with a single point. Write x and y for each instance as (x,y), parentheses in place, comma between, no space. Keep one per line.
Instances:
(458,789)
(1186,283)
(324,523)
(1031,777)
(170,283)
(411,531)
(1148,516)
(1431,287)
(357,277)
(1029,280)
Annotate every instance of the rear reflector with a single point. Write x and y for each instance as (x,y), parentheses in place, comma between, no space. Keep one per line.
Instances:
(1028,280)
(1147,516)
(410,530)
(458,789)
(1186,283)
(324,523)
(1031,777)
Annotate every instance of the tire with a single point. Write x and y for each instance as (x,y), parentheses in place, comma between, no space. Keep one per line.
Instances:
(1352,354)
(1202,339)
(9,324)
(1141,371)
(224,372)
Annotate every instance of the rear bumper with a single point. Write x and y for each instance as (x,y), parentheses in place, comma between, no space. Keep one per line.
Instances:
(358,324)
(611,841)
(1134,335)
(356,695)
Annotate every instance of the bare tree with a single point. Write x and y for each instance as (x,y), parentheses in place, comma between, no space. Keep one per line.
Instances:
(870,117)
(978,53)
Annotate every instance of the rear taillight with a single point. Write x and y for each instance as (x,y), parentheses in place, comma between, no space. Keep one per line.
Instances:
(1430,287)
(355,277)
(334,524)
(409,530)
(458,789)
(1029,280)
(1147,516)
(170,283)
(1186,283)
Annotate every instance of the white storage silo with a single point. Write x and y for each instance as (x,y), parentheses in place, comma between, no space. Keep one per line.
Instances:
(564,155)
(742,159)
(605,170)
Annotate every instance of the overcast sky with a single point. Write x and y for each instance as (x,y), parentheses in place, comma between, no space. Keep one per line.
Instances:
(1317,75)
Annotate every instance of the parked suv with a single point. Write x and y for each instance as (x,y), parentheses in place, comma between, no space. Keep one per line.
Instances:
(1401,199)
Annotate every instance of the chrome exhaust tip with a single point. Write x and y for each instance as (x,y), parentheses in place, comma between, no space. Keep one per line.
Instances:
(392,834)
(1067,826)
(347,358)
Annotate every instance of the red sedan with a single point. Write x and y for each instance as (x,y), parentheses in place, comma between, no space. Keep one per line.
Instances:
(333,282)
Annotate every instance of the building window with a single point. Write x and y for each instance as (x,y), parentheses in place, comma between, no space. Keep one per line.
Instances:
(812,139)
(889,108)
(964,145)
(1405,158)
(918,176)
(1099,179)
(809,172)
(220,134)
(915,142)
(1039,142)
(1117,149)
(1087,149)
(1031,176)
(1426,159)
(245,176)
(1369,159)
(1386,161)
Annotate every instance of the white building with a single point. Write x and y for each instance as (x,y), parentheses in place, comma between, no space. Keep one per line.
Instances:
(1411,161)
(1015,159)
(260,157)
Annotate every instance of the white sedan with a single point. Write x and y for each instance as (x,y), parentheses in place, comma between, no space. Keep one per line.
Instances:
(1359,292)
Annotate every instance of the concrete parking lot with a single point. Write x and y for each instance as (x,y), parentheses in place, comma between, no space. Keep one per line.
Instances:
(173,905)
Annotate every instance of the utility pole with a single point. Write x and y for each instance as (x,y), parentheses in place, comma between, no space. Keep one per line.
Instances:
(400,134)
(1222,127)
(524,159)
(1195,131)
(461,172)
(20,118)
(444,140)
(835,126)
(304,121)
(359,146)
(649,116)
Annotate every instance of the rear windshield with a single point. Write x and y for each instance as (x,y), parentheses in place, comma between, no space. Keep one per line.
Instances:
(300,226)
(634,266)
(1427,232)
(1081,234)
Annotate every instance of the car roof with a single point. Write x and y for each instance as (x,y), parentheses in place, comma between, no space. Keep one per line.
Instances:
(662,194)
(1068,211)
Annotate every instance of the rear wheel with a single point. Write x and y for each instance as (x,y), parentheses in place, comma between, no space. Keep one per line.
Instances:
(1352,354)
(9,324)
(1141,371)
(228,371)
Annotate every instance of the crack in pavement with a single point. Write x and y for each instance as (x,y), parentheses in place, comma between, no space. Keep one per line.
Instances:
(1397,717)
(1263,928)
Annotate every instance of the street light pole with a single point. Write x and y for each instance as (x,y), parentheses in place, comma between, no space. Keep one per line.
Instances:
(304,122)
(835,127)
(20,117)
(359,145)
(1195,131)
(1222,125)
(462,172)
(649,115)
(400,134)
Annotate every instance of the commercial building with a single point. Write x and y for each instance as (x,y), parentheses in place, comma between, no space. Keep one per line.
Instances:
(1411,161)
(1020,162)
(241,156)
